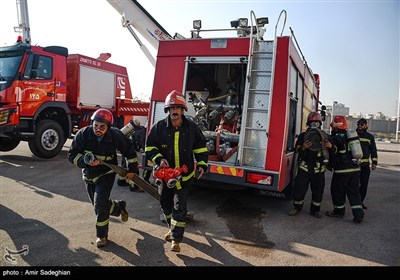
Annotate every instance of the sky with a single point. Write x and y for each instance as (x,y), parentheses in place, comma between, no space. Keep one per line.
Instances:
(353,45)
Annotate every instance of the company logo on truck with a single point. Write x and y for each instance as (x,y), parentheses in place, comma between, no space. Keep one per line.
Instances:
(121,83)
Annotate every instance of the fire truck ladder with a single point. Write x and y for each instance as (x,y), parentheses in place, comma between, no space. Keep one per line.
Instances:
(254,134)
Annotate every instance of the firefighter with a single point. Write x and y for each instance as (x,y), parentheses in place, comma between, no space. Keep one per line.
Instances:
(346,174)
(369,151)
(99,141)
(311,168)
(172,142)
(42,71)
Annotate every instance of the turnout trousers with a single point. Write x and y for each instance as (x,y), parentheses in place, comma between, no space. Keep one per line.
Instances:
(173,202)
(364,179)
(99,195)
(346,184)
(317,185)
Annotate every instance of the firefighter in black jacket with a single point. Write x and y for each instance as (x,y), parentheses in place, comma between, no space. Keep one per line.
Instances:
(172,142)
(311,169)
(95,142)
(369,151)
(346,174)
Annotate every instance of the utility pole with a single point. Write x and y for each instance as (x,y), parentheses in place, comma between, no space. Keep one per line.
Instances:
(397,118)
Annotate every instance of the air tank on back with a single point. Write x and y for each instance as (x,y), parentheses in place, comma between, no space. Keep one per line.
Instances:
(354,144)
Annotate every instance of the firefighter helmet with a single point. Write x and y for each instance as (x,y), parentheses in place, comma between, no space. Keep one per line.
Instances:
(314,117)
(175,98)
(104,116)
(339,122)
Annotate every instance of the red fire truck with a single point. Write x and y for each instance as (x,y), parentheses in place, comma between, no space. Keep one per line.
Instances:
(250,96)
(47,94)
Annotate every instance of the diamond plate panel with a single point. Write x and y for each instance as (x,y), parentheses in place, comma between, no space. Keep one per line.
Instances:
(261,80)
(259,100)
(253,157)
(263,62)
(264,46)
(255,138)
(257,119)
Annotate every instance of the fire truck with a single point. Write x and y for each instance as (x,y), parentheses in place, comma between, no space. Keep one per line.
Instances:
(250,96)
(47,94)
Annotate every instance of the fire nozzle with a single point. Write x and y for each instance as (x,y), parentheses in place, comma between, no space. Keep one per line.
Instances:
(88,158)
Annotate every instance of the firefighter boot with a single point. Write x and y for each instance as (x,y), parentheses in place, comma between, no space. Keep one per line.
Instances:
(175,246)
(189,216)
(333,214)
(294,212)
(124,213)
(316,214)
(101,242)
(168,236)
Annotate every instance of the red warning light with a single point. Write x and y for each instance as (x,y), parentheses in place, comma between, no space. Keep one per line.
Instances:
(19,39)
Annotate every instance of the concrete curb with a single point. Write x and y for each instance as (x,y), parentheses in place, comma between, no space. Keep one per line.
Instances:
(388,151)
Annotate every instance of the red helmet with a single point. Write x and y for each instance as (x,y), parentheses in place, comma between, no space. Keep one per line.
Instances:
(314,117)
(339,122)
(174,98)
(104,116)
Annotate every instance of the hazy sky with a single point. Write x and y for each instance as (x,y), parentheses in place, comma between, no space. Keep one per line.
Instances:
(353,45)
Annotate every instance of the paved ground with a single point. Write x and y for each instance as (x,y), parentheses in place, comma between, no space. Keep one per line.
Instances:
(43,204)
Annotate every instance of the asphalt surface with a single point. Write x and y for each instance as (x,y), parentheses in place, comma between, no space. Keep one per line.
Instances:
(44,208)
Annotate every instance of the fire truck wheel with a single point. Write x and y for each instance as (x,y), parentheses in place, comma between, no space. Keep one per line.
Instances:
(49,139)
(8,144)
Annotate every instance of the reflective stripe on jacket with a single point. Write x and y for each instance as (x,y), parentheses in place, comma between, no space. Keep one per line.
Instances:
(178,146)
(105,148)
(368,146)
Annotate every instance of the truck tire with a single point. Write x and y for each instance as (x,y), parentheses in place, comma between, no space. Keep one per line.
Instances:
(8,144)
(49,139)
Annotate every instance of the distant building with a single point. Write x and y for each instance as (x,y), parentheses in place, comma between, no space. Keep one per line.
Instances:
(339,109)
(377,123)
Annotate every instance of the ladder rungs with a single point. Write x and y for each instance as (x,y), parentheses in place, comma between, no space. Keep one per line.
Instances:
(262,71)
(261,90)
(262,52)
(258,110)
(256,129)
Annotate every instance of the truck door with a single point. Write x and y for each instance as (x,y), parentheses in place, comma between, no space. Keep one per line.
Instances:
(37,84)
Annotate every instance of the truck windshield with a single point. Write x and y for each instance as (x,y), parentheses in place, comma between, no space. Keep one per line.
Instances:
(9,64)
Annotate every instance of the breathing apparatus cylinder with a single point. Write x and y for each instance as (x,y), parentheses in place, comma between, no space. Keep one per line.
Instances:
(354,144)
(127,129)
